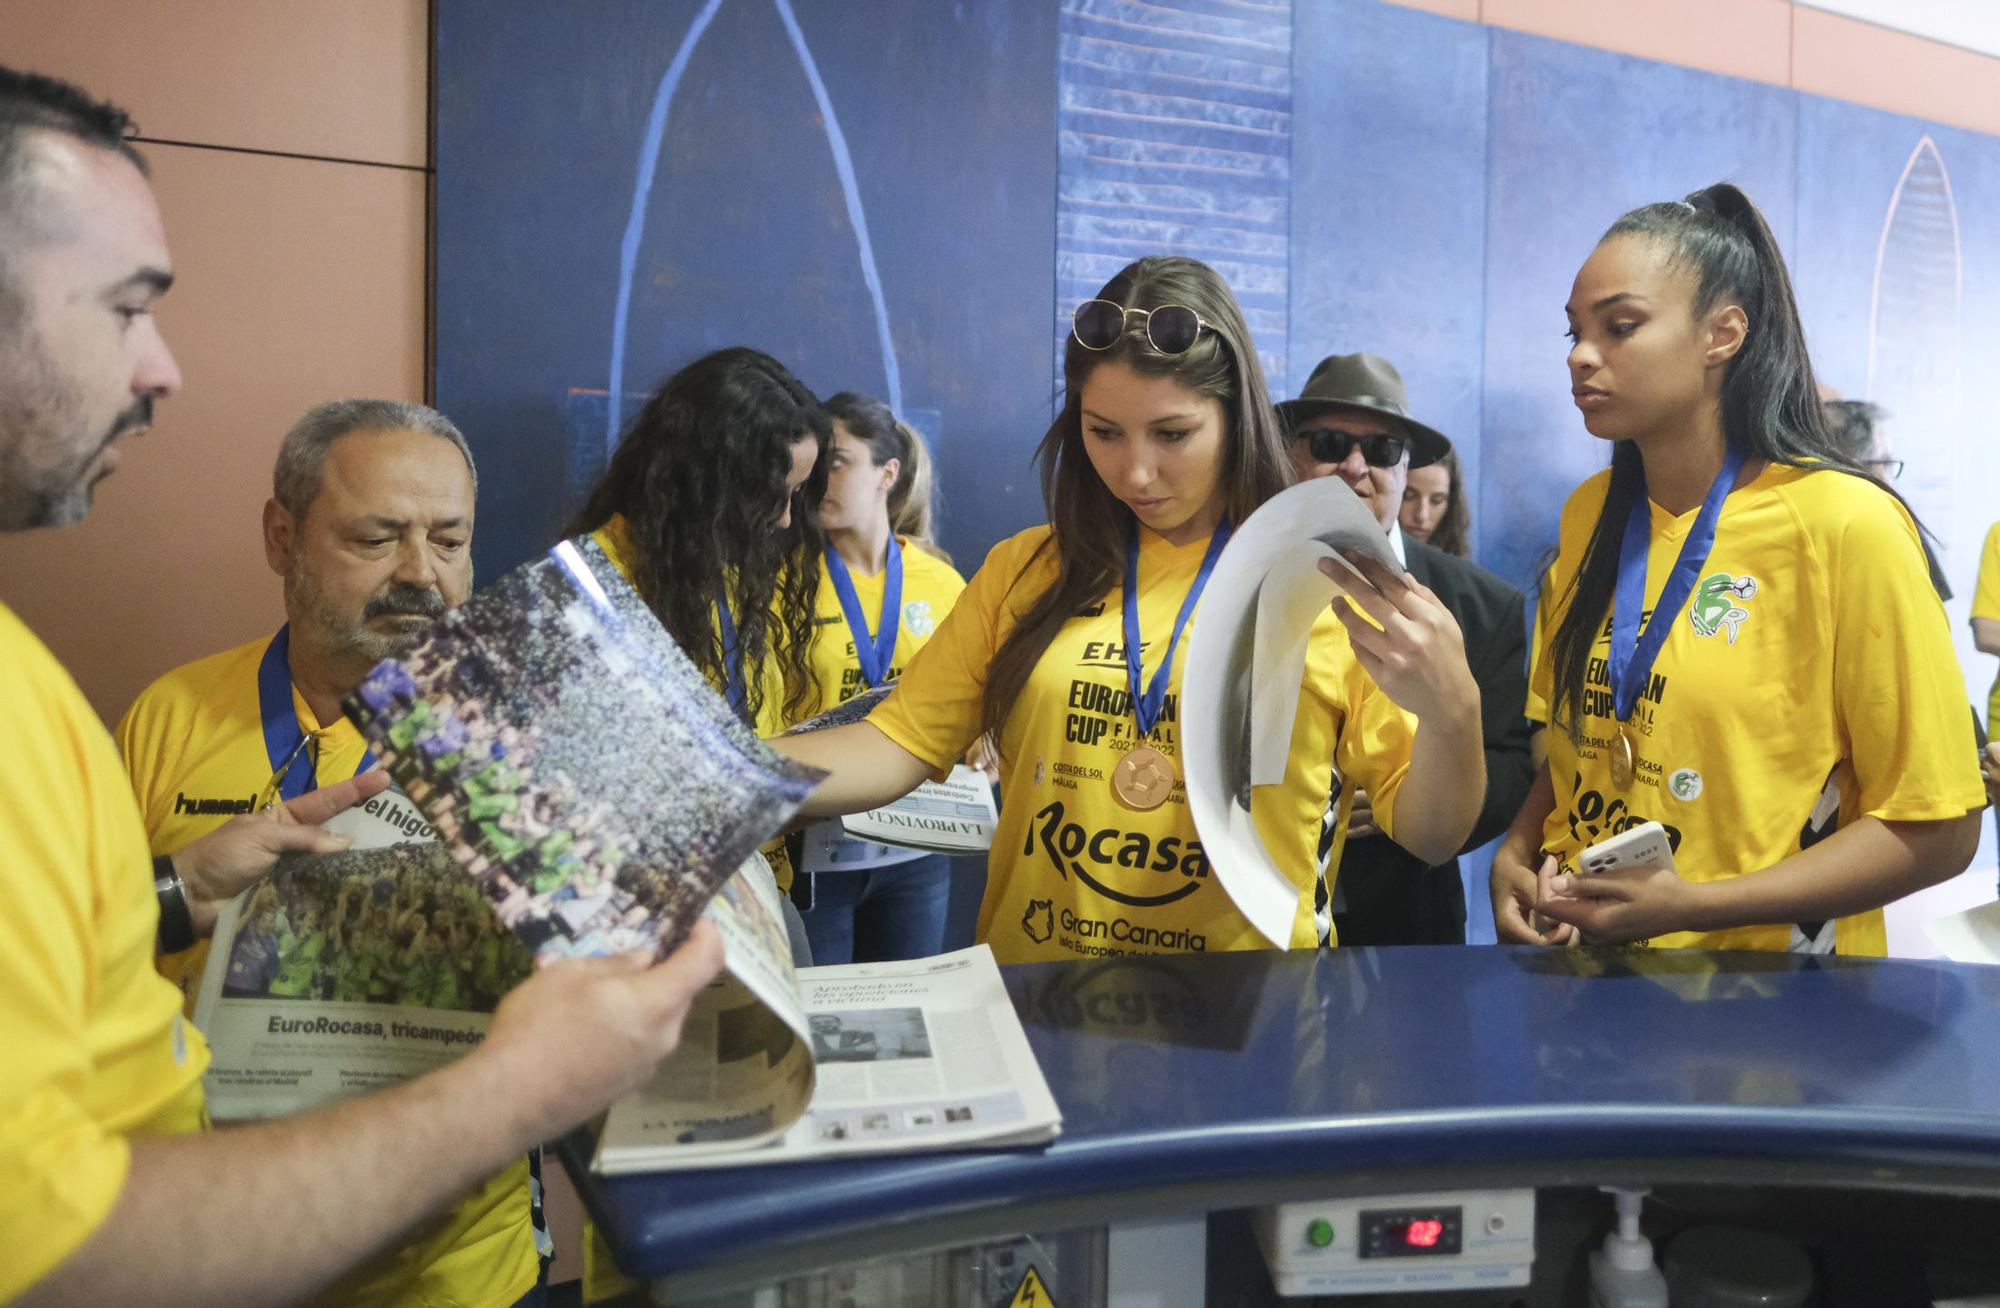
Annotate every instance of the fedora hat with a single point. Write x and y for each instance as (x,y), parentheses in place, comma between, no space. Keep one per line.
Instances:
(1370,386)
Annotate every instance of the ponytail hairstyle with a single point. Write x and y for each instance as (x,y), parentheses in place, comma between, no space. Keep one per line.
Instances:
(912,500)
(1770,405)
(699,477)
(1087,523)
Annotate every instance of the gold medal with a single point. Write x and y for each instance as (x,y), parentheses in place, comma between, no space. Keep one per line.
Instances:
(1624,759)
(1143,778)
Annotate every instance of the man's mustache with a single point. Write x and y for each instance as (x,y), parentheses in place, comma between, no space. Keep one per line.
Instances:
(415,601)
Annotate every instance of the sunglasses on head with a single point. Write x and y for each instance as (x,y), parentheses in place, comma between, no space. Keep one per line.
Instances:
(1170,329)
(1330,446)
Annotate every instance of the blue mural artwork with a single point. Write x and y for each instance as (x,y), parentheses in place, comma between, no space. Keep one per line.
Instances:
(1389,204)
(624,186)
(907,198)
(1898,274)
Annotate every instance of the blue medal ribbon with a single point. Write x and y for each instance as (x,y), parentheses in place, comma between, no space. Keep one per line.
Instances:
(1633,652)
(732,665)
(1146,707)
(284,738)
(874,652)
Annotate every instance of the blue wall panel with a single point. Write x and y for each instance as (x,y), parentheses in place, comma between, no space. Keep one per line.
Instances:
(1176,138)
(1579,136)
(1898,272)
(749,233)
(1389,203)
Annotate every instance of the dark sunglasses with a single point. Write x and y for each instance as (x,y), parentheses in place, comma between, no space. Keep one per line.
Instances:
(1329,446)
(1170,329)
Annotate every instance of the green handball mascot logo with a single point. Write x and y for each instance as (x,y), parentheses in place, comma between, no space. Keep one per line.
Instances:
(1716,607)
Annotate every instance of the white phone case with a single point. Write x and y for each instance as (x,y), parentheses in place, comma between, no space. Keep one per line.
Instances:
(1643,846)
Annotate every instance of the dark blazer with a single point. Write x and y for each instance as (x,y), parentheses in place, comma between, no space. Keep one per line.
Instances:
(1384,895)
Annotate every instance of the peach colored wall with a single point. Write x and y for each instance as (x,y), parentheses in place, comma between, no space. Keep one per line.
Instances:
(298,281)
(1767,41)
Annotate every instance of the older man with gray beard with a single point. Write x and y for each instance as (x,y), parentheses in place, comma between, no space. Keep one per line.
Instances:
(370,526)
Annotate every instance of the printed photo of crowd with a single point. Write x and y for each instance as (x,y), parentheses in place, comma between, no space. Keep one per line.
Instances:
(583,771)
(397,925)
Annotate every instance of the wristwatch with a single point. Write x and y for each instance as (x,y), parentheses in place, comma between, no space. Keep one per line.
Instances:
(176,923)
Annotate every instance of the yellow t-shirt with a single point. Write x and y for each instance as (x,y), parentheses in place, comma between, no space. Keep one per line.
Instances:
(96,1050)
(1986,604)
(1809,682)
(930,587)
(616,542)
(194,745)
(1073,871)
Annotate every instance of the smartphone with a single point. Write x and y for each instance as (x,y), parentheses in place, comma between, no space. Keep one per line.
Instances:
(1643,846)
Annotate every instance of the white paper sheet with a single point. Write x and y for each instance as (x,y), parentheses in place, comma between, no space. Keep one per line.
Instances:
(1245,661)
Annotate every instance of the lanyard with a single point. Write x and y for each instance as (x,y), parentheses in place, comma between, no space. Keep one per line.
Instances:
(874,652)
(293,766)
(1633,653)
(732,666)
(1146,708)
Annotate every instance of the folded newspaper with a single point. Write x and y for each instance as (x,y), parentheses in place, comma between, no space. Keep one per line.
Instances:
(867,1058)
(1245,664)
(567,784)
(954,816)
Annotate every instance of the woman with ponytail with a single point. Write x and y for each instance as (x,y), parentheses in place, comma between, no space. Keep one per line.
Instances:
(883,590)
(1070,642)
(1741,640)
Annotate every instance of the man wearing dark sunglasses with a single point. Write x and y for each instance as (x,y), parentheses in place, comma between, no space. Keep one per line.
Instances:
(1352,421)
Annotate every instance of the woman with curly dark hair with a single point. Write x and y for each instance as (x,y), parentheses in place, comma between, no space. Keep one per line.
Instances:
(708,507)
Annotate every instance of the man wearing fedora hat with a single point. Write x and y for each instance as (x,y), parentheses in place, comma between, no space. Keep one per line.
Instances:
(1352,421)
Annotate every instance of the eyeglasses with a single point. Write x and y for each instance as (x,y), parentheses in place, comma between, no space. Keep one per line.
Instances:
(1886,469)
(1170,329)
(1330,446)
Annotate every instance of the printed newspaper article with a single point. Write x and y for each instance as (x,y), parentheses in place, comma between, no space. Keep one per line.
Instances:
(926,1054)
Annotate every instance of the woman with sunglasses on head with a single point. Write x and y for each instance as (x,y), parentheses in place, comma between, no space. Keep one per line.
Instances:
(1741,641)
(707,508)
(1069,645)
(883,589)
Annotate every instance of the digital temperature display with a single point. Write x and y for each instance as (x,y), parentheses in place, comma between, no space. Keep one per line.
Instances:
(1412,1232)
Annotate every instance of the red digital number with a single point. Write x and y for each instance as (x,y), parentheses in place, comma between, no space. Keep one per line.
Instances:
(1423,1234)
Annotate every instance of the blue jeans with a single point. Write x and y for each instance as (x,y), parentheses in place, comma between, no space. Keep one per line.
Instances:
(880,916)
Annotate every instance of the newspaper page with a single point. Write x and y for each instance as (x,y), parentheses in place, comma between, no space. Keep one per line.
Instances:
(342,973)
(1245,665)
(953,816)
(926,1054)
(579,766)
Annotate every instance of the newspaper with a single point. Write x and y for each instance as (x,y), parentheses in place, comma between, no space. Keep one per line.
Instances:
(887,1057)
(567,785)
(342,973)
(1245,664)
(953,816)
(578,765)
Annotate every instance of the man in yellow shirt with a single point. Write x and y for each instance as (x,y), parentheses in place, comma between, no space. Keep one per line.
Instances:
(370,526)
(113,1193)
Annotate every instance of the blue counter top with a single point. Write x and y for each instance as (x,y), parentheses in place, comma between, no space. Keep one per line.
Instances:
(1211,1081)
